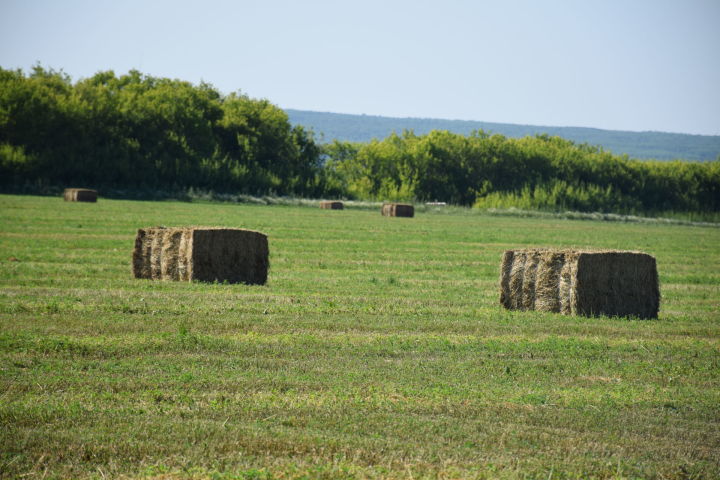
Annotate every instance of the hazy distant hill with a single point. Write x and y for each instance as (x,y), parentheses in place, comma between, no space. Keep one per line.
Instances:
(657,145)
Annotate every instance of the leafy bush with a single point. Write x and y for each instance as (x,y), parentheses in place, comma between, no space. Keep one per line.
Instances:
(143,133)
(146,132)
(533,172)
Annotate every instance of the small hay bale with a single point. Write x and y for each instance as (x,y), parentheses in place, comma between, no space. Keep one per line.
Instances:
(580,282)
(230,255)
(398,210)
(331,205)
(80,195)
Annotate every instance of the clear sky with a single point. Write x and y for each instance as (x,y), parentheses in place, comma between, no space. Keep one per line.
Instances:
(614,64)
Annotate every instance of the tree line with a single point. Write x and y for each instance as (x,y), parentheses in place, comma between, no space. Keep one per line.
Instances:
(540,172)
(139,132)
(143,132)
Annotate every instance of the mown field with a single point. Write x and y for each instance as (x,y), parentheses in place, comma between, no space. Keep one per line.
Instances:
(377,349)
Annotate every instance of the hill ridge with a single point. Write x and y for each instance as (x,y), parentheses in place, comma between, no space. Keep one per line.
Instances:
(647,144)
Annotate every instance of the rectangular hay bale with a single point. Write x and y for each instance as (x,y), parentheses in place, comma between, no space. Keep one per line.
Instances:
(80,195)
(580,282)
(331,205)
(398,210)
(230,255)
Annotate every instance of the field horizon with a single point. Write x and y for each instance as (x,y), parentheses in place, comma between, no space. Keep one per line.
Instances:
(377,349)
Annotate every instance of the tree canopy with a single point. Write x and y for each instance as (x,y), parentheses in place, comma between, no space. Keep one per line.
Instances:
(135,131)
(140,131)
(532,172)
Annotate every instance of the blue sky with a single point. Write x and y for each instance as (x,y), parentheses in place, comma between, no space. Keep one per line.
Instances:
(614,64)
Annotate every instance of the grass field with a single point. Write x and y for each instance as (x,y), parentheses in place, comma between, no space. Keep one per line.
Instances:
(377,349)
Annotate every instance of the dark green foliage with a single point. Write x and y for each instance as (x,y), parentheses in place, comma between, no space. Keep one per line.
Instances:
(140,133)
(144,132)
(532,172)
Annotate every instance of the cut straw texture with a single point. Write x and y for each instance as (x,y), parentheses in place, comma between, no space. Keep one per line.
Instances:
(331,205)
(398,210)
(580,282)
(202,254)
(80,195)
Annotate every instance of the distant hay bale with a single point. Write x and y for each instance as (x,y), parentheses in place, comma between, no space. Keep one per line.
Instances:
(80,195)
(331,205)
(203,254)
(398,210)
(580,282)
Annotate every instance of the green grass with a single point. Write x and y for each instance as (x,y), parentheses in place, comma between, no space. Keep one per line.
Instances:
(376,350)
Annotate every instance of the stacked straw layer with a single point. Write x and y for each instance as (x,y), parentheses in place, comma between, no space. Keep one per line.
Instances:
(580,282)
(201,254)
(80,195)
(398,210)
(331,205)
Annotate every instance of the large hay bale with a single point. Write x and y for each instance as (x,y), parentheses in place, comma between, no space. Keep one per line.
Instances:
(398,210)
(199,253)
(80,195)
(580,282)
(331,205)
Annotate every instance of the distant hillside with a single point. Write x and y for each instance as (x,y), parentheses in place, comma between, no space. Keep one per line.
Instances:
(646,145)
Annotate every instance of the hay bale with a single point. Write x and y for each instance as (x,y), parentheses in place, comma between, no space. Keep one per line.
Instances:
(398,210)
(580,282)
(203,254)
(80,195)
(331,205)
